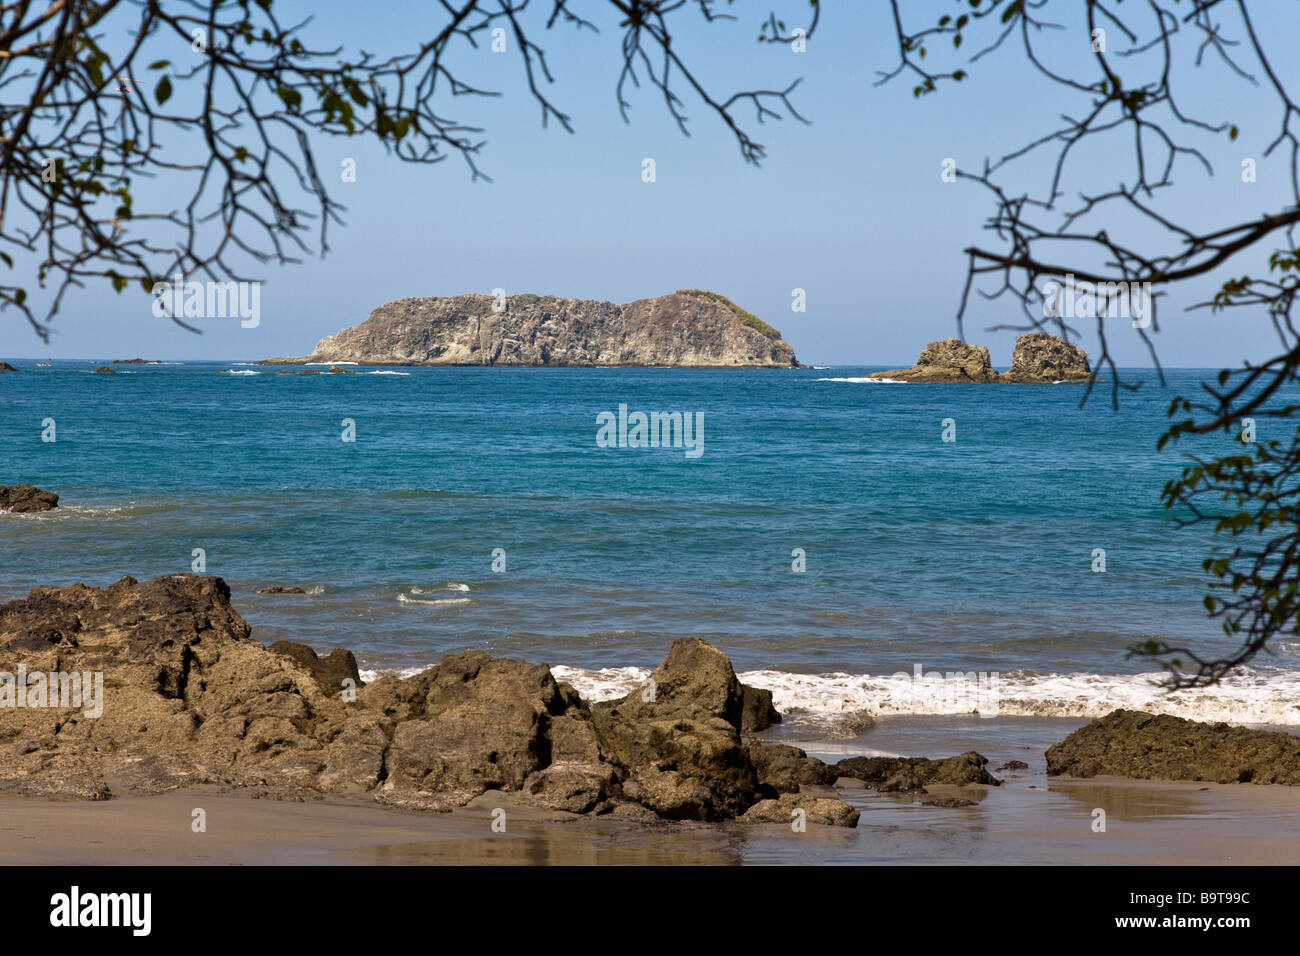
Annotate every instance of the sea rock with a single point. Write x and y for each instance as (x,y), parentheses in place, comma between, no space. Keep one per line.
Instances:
(785,769)
(1014,765)
(756,710)
(1130,743)
(826,811)
(278,589)
(104,368)
(1040,358)
(6,367)
(338,370)
(689,328)
(950,361)
(136,361)
(24,498)
(914,774)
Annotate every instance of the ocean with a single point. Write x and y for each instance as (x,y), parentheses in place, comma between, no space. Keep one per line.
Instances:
(825,537)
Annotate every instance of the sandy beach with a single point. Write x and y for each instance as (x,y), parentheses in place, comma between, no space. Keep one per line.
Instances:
(1030,819)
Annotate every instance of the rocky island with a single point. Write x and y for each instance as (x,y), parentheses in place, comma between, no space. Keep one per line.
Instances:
(1039,359)
(690,328)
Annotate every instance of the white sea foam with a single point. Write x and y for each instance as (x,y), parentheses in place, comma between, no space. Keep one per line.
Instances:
(449,586)
(835,700)
(231,371)
(331,363)
(68,513)
(381,373)
(404,598)
(865,381)
(373,675)
(608,683)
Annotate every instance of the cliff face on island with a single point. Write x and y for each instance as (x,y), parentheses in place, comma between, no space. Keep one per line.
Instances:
(1039,359)
(688,329)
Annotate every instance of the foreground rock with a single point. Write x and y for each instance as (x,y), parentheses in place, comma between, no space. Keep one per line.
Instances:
(1038,359)
(914,774)
(177,694)
(757,712)
(828,812)
(689,328)
(679,737)
(24,498)
(1130,743)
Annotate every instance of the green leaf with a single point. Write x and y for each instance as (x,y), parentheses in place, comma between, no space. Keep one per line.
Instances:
(160,64)
(163,91)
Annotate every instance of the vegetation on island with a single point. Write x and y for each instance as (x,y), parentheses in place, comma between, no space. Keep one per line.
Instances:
(749,318)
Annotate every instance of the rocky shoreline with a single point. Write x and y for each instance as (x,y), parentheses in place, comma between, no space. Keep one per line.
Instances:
(190,699)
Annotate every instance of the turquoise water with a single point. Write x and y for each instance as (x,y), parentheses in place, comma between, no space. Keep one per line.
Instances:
(969,555)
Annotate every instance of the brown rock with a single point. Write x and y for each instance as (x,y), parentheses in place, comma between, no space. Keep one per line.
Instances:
(911,774)
(23,499)
(756,710)
(680,737)
(826,811)
(277,589)
(330,671)
(1129,743)
(784,769)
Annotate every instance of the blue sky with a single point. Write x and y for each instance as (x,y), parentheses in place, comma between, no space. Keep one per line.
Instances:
(851,209)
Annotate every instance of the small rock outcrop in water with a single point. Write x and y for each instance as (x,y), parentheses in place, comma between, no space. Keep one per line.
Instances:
(1039,359)
(281,589)
(6,367)
(189,699)
(914,774)
(690,328)
(104,368)
(136,361)
(947,362)
(22,499)
(1130,743)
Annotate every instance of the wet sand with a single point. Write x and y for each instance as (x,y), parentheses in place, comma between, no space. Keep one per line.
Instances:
(1030,819)
(1018,823)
